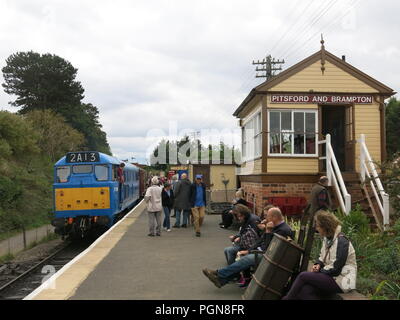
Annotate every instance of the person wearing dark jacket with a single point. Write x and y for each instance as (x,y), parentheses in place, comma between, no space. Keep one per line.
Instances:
(167,198)
(320,198)
(182,201)
(249,221)
(335,271)
(198,203)
(276,224)
(228,216)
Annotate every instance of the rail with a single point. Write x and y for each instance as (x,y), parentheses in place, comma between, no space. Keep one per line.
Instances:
(368,169)
(335,176)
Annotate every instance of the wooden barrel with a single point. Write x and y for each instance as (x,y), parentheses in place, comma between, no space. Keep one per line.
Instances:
(274,271)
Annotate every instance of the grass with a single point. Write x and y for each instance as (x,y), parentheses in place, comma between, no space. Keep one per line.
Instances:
(6,258)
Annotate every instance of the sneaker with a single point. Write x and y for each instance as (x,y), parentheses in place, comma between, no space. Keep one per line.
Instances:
(168,230)
(184,226)
(222,226)
(176,227)
(245,284)
(151,235)
(212,275)
(158,234)
(198,234)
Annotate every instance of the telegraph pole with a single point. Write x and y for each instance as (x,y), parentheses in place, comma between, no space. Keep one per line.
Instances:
(268,67)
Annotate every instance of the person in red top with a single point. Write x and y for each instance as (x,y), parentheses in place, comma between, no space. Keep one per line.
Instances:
(121,179)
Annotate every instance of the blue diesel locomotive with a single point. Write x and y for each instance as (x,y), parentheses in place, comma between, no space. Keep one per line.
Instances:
(87,194)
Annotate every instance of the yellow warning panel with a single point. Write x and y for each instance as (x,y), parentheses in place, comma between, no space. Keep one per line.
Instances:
(82,198)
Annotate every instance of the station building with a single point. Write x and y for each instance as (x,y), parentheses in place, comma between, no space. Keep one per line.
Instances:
(284,118)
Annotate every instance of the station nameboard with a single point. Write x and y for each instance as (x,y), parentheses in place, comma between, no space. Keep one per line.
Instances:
(75,157)
(321,98)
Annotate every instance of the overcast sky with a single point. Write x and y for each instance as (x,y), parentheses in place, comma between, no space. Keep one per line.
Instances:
(187,64)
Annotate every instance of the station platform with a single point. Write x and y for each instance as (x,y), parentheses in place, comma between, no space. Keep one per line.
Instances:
(126,264)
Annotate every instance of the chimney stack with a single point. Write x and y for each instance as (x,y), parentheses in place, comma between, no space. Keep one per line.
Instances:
(344,58)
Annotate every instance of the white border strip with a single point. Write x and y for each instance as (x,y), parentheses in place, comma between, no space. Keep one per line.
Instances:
(47,283)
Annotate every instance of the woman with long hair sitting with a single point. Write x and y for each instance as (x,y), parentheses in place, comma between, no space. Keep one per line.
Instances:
(336,269)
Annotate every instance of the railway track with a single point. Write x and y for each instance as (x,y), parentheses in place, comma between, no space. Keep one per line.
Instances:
(29,280)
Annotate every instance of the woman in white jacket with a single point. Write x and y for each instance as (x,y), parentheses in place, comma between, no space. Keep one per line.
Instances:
(336,269)
(154,207)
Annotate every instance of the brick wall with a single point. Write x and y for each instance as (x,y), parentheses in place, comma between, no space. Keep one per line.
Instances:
(263,191)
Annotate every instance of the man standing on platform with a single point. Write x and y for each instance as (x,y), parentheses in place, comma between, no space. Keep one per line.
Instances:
(182,201)
(198,203)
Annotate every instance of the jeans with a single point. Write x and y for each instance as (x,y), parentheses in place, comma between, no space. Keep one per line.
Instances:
(167,223)
(228,273)
(311,286)
(185,217)
(230,253)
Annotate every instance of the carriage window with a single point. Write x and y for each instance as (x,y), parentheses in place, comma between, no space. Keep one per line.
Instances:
(101,172)
(63,174)
(83,168)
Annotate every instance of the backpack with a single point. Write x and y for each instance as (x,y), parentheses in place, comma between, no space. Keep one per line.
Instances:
(248,238)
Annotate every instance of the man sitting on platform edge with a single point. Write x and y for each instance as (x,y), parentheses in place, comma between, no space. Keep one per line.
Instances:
(275,224)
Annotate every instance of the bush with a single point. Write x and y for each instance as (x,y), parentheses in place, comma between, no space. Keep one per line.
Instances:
(355,223)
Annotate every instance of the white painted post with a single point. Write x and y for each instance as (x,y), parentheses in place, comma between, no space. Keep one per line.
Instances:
(362,158)
(347,203)
(386,209)
(328,159)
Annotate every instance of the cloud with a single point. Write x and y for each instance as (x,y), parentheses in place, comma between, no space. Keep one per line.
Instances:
(146,64)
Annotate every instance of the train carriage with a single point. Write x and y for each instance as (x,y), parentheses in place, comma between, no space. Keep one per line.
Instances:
(87,194)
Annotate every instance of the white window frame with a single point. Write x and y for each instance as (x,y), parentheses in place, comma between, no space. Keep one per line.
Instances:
(245,148)
(294,155)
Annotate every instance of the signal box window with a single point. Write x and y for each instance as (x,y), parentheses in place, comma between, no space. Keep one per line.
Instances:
(293,133)
(101,172)
(83,168)
(63,174)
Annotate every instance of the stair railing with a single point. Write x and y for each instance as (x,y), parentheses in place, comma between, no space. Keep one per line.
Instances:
(368,169)
(335,176)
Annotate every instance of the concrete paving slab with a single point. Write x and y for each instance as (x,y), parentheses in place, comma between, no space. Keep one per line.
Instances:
(161,268)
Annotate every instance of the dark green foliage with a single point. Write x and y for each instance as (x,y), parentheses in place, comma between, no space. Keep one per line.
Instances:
(392,127)
(47,81)
(355,222)
(186,150)
(41,82)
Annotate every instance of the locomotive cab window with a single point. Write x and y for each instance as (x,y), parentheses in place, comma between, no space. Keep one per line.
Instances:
(63,174)
(101,172)
(82,168)
(114,172)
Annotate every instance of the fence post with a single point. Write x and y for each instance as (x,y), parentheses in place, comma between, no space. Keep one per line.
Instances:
(386,209)
(362,157)
(328,159)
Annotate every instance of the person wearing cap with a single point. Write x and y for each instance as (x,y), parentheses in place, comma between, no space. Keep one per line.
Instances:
(198,203)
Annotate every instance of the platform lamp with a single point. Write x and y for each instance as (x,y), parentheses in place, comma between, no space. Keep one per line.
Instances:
(225,182)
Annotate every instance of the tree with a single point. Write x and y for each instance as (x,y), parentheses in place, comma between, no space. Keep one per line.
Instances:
(47,81)
(42,82)
(393,127)
(55,136)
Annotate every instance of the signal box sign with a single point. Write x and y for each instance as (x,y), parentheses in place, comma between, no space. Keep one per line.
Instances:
(76,157)
(321,98)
